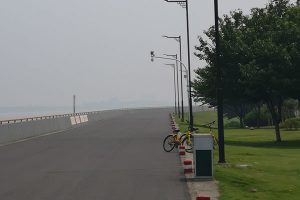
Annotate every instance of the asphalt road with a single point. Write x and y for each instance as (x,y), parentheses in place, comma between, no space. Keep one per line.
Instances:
(113,159)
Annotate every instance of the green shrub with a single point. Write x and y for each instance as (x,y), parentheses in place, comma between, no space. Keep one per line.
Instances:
(257,119)
(232,124)
(291,124)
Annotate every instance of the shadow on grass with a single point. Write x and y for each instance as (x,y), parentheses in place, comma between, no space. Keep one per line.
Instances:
(289,144)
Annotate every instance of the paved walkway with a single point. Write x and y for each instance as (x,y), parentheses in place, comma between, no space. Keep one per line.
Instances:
(204,187)
(197,186)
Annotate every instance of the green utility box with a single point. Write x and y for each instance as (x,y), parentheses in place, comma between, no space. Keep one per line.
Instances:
(203,156)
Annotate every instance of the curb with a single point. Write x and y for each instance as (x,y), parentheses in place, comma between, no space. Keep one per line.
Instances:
(187,164)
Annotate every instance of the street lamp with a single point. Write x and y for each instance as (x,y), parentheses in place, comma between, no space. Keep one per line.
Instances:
(74,104)
(184,4)
(187,80)
(173,66)
(178,39)
(186,70)
(219,88)
(178,106)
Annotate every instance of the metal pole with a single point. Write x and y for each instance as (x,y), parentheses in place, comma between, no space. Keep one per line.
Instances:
(164,58)
(178,39)
(187,90)
(220,89)
(74,104)
(189,67)
(175,90)
(182,109)
(177,82)
(177,75)
(191,121)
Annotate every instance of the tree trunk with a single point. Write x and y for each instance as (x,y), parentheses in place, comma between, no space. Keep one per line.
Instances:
(258,116)
(279,107)
(277,132)
(275,119)
(242,115)
(242,125)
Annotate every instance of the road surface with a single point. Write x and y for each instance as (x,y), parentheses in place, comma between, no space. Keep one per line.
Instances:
(113,159)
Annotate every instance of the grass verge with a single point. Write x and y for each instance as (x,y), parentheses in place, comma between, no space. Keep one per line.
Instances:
(257,167)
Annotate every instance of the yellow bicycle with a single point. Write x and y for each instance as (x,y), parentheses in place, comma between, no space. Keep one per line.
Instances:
(187,138)
(215,139)
(172,141)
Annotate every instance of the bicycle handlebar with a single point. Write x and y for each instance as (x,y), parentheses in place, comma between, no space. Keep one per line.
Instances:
(209,124)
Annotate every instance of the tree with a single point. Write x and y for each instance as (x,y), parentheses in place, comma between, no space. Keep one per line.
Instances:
(231,47)
(272,74)
(260,59)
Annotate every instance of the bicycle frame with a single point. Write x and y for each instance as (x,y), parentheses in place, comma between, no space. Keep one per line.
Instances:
(176,139)
(188,137)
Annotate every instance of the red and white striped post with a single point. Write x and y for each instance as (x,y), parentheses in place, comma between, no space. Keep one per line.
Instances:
(181,150)
(188,166)
(202,197)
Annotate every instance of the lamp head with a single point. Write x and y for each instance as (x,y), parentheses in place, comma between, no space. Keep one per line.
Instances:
(152,54)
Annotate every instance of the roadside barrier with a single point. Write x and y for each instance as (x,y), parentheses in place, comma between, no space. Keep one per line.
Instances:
(181,150)
(17,129)
(173,127)
(188,167)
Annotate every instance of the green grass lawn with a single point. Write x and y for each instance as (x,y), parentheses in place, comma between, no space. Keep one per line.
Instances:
(257,167)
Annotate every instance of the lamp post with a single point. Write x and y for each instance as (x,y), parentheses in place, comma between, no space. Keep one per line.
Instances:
(178,106)
(219,88)
(173,66)
(184,4)
(164,58)
(74,104)
(187,80)
(178,39)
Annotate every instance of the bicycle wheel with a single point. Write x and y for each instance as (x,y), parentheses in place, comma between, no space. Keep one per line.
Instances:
(169,143)
(188,145)
(182,137)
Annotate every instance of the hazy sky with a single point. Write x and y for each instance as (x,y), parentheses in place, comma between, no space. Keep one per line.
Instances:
(98,50)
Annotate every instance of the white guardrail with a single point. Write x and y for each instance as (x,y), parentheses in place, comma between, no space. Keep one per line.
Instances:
(72,116)
(16,129)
